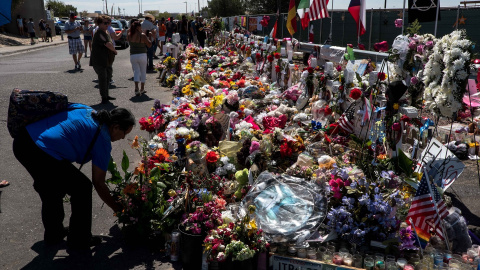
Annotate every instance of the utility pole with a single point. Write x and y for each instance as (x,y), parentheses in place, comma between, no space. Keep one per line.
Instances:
(199,8)
(106,7)
(186,9)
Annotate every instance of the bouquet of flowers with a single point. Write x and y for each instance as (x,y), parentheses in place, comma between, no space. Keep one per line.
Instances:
(204,219)
(238,241)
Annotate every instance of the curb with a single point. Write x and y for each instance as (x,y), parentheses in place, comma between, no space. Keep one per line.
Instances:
(26,49)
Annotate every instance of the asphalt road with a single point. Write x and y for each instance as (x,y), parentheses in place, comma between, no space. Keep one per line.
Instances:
(21,230)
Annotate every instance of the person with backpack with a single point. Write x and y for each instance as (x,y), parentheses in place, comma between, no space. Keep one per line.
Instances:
(48,147)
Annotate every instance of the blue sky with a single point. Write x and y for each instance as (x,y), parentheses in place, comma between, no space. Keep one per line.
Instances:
(131,6)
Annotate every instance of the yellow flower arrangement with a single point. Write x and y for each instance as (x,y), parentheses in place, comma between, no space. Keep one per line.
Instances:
(187,90)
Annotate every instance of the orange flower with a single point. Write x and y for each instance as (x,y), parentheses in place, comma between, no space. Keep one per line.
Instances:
(130,188)
(135,143)
(162,152)
(382,156)
(139,169)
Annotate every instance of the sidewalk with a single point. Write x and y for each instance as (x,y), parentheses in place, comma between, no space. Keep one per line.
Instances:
(8,50)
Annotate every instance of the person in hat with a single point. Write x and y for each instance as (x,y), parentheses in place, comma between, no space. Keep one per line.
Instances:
(75,45)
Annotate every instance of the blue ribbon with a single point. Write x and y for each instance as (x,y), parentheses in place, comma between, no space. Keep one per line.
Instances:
(427,124)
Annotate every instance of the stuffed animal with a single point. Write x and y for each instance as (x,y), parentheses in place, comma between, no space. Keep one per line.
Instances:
(242,179)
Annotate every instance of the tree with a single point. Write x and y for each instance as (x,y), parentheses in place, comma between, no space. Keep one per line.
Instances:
(267,6)
(414,28)
(225,8)
(165,15)
(60,9)
(84,13)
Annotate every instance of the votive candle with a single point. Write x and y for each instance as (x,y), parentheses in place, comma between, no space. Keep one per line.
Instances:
(408,267)
(337,258)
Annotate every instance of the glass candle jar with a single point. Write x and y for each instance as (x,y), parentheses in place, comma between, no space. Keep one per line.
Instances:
(292,251)
(331,248)
(343,251)
(401,262)
(408,267)
(348,259)
(368,263)
(421,266)
(320,252)
(357,260)
(311,254)
(379,264)
(301,253)
(389,258)
(389,265)
(337,258)
(327,256)
(438,259)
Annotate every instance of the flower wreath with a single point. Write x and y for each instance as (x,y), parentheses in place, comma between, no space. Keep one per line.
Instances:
(446,74)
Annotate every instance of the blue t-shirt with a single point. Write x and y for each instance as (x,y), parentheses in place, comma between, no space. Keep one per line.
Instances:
(67,135)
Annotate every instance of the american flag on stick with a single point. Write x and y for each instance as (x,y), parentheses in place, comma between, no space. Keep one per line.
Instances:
(318,10)
(422,211)
(346,120)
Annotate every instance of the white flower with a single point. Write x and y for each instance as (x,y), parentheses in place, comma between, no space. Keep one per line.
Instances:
(225,160)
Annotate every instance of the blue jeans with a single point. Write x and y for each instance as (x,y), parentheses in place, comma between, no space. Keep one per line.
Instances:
(150,53)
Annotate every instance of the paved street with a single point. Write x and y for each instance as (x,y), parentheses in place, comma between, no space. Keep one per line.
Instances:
(21,230)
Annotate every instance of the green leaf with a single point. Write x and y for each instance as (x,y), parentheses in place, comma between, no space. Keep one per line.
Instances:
(125,162)
(161,185)
(405,163)
(359,78)
(154,171)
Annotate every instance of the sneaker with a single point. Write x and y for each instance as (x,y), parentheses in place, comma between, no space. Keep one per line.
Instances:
(76,67)
(142,91)
(137,92)
(79,66)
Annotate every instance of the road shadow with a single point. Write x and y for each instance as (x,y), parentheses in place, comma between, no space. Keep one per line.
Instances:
(100,106)
(472,219)
(112,86)
(73,71)
(141,98)
(113,253)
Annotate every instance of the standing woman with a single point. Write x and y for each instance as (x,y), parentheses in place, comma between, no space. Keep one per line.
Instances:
(138,55)
(87,36)
(47,148)
(162,30)
(20,26)
(102,57)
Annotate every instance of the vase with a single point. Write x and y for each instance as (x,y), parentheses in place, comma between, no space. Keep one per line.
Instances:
(191,250)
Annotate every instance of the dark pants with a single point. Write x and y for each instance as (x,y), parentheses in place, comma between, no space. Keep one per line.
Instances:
(52,179)
(104,77)
(201,42)
(150,53)
(184,39)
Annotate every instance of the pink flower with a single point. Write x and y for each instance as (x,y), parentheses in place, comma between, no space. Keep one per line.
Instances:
(420,49)
(414,80)
(398,23)
(429,44)
(412,45)
(220,203)
(254,146)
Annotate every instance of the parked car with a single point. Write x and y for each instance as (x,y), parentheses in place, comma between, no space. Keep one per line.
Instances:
(118,27)
(124,22)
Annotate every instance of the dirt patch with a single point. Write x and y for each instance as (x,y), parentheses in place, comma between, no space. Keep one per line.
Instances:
(13,40)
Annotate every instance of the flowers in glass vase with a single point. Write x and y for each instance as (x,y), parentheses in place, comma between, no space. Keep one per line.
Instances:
(238,241)
(204,219)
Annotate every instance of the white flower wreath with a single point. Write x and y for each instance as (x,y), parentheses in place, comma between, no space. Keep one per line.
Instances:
(446,72)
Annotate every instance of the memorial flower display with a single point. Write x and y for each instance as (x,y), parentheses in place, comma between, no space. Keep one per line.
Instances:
(240,110)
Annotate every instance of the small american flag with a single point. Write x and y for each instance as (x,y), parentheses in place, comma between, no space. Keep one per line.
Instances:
(318,10)
(422,211)
(346,120)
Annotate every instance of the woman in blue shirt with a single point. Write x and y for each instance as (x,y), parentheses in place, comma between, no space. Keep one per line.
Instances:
(47,149)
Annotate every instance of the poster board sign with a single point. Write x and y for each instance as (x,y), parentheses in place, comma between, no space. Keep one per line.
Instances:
(252,23)
(441,164)
(290,263)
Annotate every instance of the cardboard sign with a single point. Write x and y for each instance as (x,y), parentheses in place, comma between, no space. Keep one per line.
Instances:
(442,165)
(285,263)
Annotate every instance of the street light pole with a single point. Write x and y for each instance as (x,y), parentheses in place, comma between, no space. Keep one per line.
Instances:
(186,9)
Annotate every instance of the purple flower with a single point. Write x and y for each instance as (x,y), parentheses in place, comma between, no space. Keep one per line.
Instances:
(414,80)
(429,44)
(420,49)
(412,45)
(398,23)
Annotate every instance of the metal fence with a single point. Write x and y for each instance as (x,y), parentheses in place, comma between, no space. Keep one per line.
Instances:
(380,26)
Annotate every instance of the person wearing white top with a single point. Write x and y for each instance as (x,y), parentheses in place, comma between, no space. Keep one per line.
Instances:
(20,26)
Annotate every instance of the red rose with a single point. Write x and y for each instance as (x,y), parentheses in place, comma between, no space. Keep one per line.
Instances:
(212,157)
(285,150)
(355,93)
(242,48)
(277,55)
(258,56)
(328,110)
(277,69)
(270,58)
(251,42)
(382,76)
(341,87)
(310,70)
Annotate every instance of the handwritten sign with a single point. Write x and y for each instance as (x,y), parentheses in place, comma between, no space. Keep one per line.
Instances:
(442,165)
(285,263)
